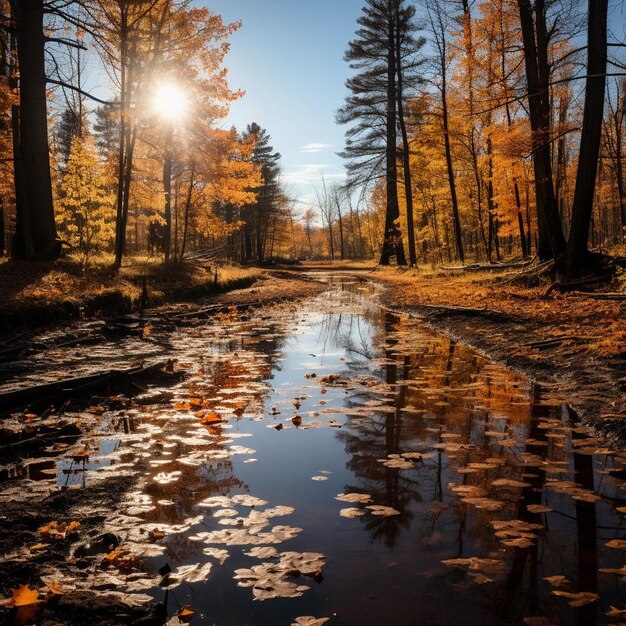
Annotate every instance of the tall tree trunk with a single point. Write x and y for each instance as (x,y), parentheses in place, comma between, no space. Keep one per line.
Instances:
(120,233)
(392,241)
(2,229)
(187,207)
(550,233)
(35,235)
(576,254)
(406,165)
(341,239)
(167,188)
(259,232)
(458,235)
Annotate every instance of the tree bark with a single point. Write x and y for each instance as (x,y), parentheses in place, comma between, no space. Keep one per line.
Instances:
(458,235)
(167,188)
(392,241)
(576,254)
(551,242)
(35,235)
(187,207)
(406,165)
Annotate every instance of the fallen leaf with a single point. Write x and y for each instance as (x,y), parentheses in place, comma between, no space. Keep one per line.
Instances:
(186,613)
(38,546)
(54,588)
(25,596)
(557,581)
(579,599)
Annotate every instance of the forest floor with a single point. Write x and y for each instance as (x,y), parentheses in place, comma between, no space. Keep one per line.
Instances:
(33,294)
(572,343)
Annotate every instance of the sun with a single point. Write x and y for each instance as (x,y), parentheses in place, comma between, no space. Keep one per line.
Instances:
(170,102)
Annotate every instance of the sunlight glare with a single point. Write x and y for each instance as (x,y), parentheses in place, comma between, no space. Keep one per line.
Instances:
(170,102)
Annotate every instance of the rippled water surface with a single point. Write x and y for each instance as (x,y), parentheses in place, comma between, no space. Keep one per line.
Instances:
(479,500)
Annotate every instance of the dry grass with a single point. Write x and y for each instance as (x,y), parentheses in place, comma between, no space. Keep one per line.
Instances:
(562,314)
(27,283)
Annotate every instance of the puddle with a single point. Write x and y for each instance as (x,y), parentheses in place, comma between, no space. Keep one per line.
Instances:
(334,460)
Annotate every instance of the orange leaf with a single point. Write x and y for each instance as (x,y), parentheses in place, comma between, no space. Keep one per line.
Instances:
(211,418)
(186,612)
(24,595)
(54,588)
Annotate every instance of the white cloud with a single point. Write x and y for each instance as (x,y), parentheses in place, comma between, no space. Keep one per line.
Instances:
(312,148)
(311,174)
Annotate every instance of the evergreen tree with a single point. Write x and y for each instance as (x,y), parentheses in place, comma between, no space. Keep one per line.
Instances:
(68,127)
(268,196)
(86,214)
(106,129)
(382,55)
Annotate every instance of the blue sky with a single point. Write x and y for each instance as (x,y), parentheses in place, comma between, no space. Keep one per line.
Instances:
(288,58)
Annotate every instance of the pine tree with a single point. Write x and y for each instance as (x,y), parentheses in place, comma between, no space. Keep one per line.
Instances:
(258,216)
(385,41)
(68,127)
(106,128)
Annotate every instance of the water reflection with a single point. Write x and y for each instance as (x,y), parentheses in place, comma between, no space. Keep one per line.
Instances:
(491,497)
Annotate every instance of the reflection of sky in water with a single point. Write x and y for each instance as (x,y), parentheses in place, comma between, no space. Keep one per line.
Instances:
(408,390)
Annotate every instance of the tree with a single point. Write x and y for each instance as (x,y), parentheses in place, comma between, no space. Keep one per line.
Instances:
(576,255)
(69,126)
(258,215)
(438,22)
(35,230)
(85,207)
(372,108)
(535,37)
(407,75)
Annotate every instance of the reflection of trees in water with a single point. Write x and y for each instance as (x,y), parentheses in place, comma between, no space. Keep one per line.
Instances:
(240,364)
(368,440)
(456,390)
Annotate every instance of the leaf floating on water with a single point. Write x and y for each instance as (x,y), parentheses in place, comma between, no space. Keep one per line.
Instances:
(538,508)
(262,552)
(476,564)
(308,620)
(557,581)
(186,613)
(188,573)
(217,553)
(382,511)
(24,596)
(486,504)
(269,580)
(615,612)
(521,542)
(582,598)
(211,418)
(248,500)
(166,478)
(397,463)
(505,482)
(363,498)
(122,559)
(351,512)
